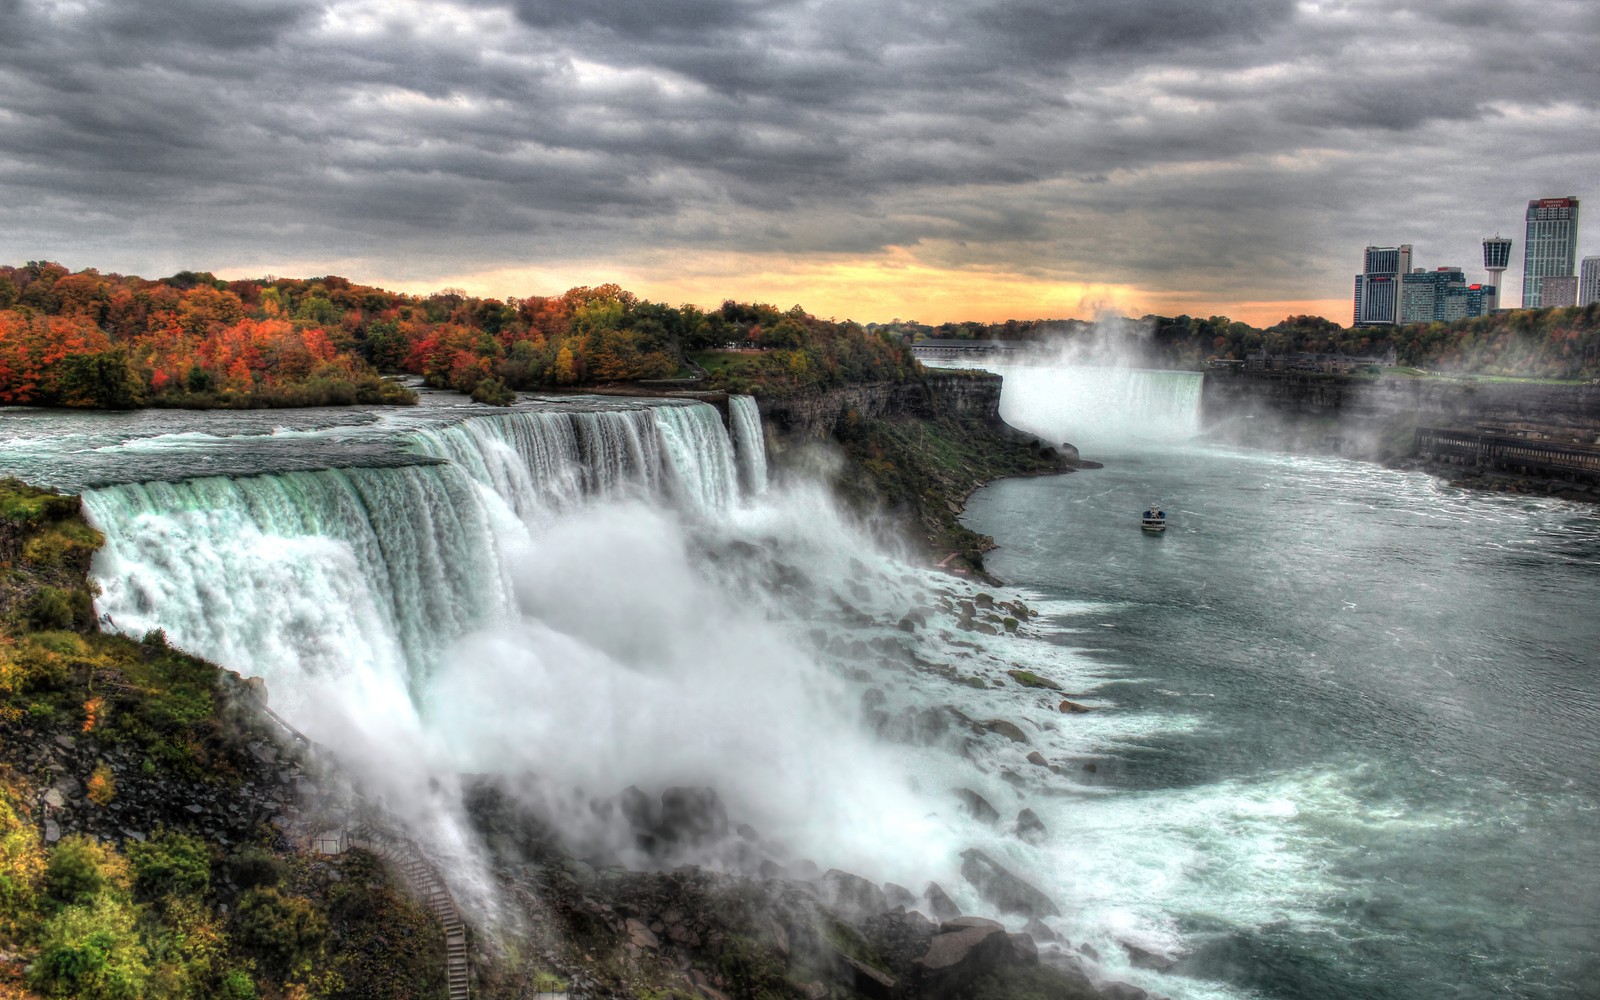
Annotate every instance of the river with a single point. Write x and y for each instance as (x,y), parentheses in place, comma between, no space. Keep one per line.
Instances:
(1367,761)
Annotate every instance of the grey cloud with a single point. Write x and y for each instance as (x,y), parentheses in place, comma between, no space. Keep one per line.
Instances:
(1232,146)
(231,25)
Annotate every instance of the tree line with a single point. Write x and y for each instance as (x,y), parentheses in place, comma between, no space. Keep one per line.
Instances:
(1535,343)
(91,339)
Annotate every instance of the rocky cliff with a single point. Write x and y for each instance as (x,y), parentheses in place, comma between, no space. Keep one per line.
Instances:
(1378,419)
(1375,418)
(973,395)
(911,450)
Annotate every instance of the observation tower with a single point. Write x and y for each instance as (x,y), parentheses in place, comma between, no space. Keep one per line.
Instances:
(1496,256)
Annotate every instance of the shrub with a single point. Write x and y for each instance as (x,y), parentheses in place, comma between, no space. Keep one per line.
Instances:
(237,985)
(22,866)
(253,867)
(78,871)
(170,864)
(282,932)
(493,392)
(91,952)
(52,608)
(102,786)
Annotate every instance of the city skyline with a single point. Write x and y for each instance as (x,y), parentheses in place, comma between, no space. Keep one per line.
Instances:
(956,161)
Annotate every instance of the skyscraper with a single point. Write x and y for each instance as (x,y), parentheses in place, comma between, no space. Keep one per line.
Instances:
(1589,281)
(1378,285)
(1442,295)
(1496,257)
(1551,246)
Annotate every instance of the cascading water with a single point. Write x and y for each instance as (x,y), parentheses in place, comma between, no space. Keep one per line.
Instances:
(749,442)
(1099,408)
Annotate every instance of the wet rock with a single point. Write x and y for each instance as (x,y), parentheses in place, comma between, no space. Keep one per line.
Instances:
(1029,679)
(852,896)
(962,952)
(977,806)
(1142,958)
(1037,759)
(1029,827)
(692,816)
(899,896)
(1123,991)
(1073,707)
(1040,931)
(940,906)
(1007,729)
(1024,951)
(1005,890)
(641,935)
(874,984)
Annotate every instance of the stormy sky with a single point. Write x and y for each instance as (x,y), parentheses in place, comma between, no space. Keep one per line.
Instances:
(870,158)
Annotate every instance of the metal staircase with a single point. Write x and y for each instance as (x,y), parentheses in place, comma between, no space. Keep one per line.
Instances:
(425,882)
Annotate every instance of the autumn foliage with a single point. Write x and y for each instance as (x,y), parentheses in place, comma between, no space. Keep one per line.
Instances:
(92,339)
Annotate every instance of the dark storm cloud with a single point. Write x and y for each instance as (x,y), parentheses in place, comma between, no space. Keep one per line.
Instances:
(1239,145)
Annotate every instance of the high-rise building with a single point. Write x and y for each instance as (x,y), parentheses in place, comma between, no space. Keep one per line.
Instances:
(1442,295)
(1377,292)
(1558,290)
(1589,281)
(1496,258)
(1551,246)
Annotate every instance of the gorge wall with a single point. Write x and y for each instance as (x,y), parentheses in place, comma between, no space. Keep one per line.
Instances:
(814,415)
(1379,419)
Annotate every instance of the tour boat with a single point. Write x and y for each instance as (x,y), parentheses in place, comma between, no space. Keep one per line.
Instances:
(1154,519)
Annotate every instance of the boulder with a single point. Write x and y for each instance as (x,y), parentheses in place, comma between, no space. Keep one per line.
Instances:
(1024,951)
(899,896)
(1029,827)
(1005,890)
(1007,729)
(940,906)
(1037,759)
(852,896)
(977,806)
(1073,707)
(692,816)
(1122,991)
(1142,958)
(964,950)
(874,984)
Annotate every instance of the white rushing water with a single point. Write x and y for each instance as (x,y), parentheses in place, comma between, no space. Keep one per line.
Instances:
(749,442)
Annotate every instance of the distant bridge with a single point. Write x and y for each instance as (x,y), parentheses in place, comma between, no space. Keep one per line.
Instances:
(955,348)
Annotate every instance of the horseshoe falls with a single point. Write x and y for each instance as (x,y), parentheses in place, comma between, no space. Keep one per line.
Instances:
(1342,730)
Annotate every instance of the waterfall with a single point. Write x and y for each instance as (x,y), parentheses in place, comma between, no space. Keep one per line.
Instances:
(749,442)
(1100,408)
(699,459)
(375,571)
(369,571)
